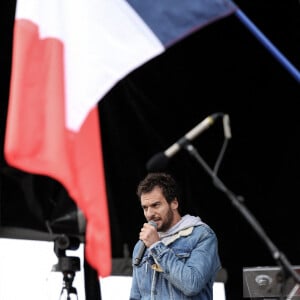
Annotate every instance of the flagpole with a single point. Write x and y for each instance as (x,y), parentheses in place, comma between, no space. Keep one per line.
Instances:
(267,43)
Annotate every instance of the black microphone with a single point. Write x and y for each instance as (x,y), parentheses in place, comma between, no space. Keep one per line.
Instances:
(160,160)
(143,248)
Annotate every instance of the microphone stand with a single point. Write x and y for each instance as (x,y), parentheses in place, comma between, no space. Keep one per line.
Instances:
(237,202)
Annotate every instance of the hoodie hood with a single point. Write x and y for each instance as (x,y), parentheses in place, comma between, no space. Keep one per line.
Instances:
(186,221)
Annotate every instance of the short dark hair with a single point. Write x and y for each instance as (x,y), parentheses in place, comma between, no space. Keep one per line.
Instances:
(165,181)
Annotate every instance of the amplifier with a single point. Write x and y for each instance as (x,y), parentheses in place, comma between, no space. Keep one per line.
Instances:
(270,283)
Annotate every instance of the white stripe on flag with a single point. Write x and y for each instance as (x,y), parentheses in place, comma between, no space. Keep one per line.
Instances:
(102,45)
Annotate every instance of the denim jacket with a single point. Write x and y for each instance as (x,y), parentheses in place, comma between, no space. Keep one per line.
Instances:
(181,267)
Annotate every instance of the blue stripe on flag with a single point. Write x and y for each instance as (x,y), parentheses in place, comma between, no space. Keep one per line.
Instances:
(172,20)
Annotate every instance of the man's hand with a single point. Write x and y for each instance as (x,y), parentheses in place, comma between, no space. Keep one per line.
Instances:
(149,235)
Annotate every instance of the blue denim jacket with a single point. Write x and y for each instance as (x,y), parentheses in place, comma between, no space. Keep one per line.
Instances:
(184,269)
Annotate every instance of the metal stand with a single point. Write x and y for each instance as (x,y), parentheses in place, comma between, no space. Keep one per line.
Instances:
(287,269)
(68,265)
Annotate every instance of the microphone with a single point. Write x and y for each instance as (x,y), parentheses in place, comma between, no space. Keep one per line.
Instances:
(226,127)
(160,160)
(143,247)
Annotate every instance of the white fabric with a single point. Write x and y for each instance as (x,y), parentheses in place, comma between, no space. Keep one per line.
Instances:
(25,271)
(103,42)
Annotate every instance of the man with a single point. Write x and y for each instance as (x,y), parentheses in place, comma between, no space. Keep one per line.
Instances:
(181,256)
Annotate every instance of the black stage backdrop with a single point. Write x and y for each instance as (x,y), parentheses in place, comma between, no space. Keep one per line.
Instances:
(222,68)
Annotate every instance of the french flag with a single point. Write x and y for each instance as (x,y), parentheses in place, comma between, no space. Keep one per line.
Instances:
(67,54)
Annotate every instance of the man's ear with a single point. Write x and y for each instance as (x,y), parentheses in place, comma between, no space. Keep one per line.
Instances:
(174,203)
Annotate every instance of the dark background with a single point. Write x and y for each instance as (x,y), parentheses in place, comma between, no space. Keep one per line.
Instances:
(221,68)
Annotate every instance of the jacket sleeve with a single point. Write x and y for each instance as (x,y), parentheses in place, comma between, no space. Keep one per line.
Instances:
(134,291)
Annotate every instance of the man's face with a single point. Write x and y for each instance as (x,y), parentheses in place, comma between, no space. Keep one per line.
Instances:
(156,208)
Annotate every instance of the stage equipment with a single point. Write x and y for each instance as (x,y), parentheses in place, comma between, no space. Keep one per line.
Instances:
(68,265)
(270,283)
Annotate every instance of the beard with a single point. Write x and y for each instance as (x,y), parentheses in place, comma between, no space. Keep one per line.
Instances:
(168,221)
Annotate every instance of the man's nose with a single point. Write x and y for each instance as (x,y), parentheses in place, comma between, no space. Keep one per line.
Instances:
(150,213)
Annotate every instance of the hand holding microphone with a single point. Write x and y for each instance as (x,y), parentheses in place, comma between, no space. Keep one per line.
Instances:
(148,236)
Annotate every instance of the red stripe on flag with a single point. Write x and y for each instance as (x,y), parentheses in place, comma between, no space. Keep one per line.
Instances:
(38,141)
